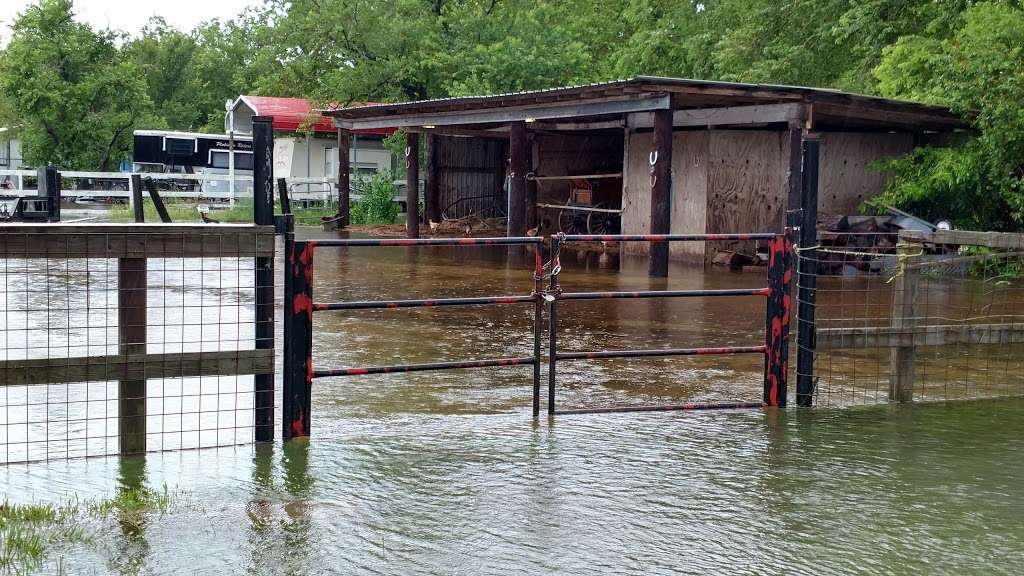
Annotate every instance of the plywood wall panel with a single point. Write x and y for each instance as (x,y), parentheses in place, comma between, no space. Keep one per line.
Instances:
(746,184)
(847,178)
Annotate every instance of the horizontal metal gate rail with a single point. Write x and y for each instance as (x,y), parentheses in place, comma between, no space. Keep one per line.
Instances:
(299,370)
(775,347)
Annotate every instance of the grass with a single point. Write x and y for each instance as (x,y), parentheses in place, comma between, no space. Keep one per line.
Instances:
(31,533)
(241,212)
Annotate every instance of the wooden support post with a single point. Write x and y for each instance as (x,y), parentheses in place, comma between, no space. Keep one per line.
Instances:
(519,165)
(298,359)
(137,208)
(432,193)
(661,190)
(263,214)
(344,177)
(131,324)
(807,283)
(412,185)
(532,220)
(158,202)
(779,310)
(904,318)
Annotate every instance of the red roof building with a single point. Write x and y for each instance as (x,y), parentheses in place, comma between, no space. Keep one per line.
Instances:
(289,114)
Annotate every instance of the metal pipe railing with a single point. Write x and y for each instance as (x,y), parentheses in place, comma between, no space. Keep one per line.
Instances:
(425,367)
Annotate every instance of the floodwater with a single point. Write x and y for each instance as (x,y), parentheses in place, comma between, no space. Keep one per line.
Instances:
(447,473)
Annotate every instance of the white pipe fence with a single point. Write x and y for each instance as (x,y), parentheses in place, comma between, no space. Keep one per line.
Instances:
(195,186)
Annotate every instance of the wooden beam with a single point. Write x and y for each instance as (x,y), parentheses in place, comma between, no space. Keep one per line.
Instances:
(432,193)
(520,157)
(344,178)
(935,335)
(1004,240)
(461,132)
(618,105)
(412,185)
(135,367)
(572,126)
(661,190)
(728,116)
(135,240)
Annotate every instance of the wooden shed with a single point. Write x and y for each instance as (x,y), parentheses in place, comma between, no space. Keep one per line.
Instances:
(651,154)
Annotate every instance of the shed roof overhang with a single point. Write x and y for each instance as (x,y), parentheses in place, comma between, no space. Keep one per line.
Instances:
(621,103)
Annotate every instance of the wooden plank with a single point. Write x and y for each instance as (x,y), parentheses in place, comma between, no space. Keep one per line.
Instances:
(512,114)
(726,116)
(135,241)
(135,367)
(1004,240)
(935,335)
(848,177)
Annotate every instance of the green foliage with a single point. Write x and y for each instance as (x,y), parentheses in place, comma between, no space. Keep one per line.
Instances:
(77,93)
(978,70)
(377,205)
(75,96)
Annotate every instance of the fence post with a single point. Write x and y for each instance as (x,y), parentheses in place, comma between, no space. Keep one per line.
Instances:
(344,177)
(904,318)
(780,280)
(807,280)
(48,186)
(135,183)
(131,328)
(553,290)
(298,360)
(263,214)
(538,326)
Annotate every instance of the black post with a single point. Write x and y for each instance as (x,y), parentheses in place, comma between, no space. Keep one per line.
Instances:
(298,360)
(412,185)
(553,322)
(779,310)
(137,208)
(263,214)
(282,192)
(48,186)
(344,176)
(661,190)
(807,280)
(519,164)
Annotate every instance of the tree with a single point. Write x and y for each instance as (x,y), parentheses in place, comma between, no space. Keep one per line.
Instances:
(76,98)
(164,57)
(977,70)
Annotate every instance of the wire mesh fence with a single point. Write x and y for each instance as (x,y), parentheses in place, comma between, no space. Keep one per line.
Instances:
(119,339)
(916,316)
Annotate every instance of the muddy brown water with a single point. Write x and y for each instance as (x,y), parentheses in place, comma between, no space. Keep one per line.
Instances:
(446,473)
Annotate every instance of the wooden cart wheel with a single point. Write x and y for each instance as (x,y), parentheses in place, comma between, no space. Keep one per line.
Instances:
(567,221)
(601,222)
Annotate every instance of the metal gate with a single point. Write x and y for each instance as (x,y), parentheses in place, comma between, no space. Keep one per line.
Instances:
(300,369)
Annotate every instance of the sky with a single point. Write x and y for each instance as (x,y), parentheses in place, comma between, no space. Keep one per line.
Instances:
(131,15)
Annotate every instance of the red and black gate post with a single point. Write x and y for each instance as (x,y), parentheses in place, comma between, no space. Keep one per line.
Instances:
(780,304)
(298,340)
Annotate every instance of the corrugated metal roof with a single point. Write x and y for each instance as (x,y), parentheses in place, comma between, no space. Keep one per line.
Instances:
(733,93)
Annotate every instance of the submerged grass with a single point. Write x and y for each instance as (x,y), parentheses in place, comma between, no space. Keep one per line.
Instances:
(31,535)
